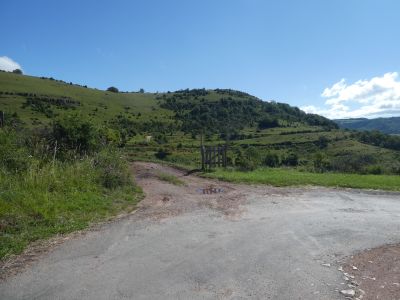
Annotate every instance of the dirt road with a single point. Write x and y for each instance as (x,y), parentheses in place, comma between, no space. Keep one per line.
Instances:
(213,240)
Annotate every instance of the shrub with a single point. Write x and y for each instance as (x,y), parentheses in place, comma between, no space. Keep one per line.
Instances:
(112,168)
(248,159)
(14,156)
(17,71)
(322,142)
(376,170)
(161,153)
(352,163)
(321,163)
(268,122)
(73,132)
(113,89)
(271,160)
(291,159)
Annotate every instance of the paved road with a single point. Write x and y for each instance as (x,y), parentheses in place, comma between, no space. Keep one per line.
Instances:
(253,242)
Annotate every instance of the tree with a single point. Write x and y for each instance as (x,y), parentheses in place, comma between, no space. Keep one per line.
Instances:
(141,91)
(74,132)
(17,71)
(113,89)
(267,122)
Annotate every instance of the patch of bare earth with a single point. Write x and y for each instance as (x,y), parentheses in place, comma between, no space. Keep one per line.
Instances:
(376,273)
(164,199)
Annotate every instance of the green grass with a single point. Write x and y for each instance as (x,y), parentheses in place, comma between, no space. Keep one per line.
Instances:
(97,105)
(290,177)
(170,178)
(54,200)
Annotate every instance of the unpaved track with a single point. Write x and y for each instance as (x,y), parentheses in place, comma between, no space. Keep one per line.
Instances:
(254,242)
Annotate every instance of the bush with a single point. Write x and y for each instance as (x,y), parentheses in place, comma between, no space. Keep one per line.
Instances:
(291,159)
(161,153)
(271,160)
(112,168)
(376,170)
(17,71)
(267,122)
(322,142)
(74,133)
(113,89)
(352,163)
(14,156)
(321,163)
(248,159)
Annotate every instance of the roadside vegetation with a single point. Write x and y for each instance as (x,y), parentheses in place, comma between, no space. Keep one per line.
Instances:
(291,177)
(59,180)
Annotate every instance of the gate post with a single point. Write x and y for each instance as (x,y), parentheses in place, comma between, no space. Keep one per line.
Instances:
(2,119)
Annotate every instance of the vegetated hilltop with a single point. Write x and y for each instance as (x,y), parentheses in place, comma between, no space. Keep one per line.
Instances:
(258,132)
(385,125)
(37,101)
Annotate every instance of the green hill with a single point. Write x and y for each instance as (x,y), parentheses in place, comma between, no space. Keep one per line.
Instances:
(268,133)
(385,125)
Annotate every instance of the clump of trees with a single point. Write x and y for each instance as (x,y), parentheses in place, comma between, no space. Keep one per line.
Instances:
(233,111)
(113,89)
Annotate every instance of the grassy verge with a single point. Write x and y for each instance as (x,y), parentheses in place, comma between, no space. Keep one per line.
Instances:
(54,199)
(170,178)
(288,177)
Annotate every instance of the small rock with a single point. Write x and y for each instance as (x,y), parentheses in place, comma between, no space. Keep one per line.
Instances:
(340,269)
(326,265)
(350,293)
(355,268)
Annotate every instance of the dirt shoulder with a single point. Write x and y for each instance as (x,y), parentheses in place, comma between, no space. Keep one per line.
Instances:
(376,273)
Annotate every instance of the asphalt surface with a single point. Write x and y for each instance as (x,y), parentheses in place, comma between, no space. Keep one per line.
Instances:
(255,242)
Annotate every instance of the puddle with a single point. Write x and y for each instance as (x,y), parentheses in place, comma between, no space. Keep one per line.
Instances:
(210,190)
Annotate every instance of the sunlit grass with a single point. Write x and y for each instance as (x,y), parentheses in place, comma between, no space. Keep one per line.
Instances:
(290,177)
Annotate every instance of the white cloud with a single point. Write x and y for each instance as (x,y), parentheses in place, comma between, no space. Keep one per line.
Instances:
(7,64)
(376,97)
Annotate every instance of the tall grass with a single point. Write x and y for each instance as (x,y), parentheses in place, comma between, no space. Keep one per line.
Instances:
(41,195)
(55,199)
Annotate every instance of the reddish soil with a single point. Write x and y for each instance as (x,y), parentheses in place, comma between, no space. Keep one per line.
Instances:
(376,272)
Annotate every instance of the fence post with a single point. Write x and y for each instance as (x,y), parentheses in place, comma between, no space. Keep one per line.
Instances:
(202,157)
(2,119)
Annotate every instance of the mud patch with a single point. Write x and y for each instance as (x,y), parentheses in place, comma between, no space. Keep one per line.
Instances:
(376,272)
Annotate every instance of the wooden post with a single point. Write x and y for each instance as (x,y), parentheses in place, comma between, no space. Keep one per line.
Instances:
(220,155)
(202,157)
(202,152)
(225,159)
(214,157)
(2,119)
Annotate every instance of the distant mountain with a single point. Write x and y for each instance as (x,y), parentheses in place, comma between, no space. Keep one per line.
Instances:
(385,125)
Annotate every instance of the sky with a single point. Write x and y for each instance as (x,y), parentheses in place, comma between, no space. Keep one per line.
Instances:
(338,58)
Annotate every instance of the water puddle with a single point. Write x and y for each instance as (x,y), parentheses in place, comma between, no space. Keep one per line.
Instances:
(210,190)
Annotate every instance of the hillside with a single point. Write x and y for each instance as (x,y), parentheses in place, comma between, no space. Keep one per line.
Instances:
(385,125)
(265,133)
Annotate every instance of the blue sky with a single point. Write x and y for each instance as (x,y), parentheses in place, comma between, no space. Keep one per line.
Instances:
(289,51)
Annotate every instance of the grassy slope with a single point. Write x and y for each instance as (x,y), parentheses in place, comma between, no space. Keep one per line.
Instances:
(387,125)
(290,177)
(99,105)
